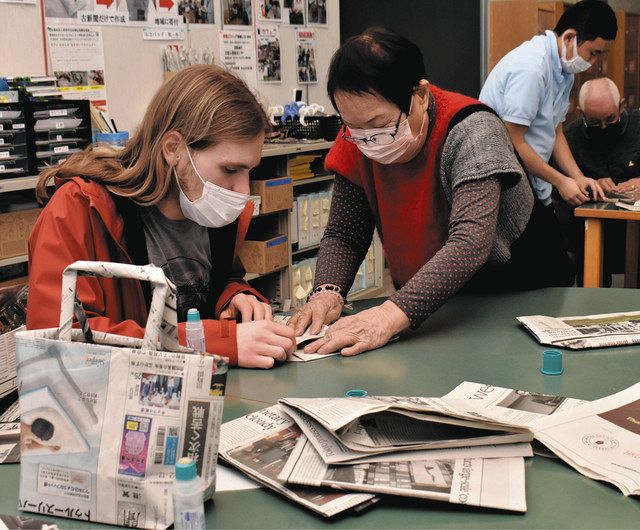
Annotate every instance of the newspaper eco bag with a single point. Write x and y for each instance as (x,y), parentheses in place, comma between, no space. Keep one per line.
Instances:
(105,417)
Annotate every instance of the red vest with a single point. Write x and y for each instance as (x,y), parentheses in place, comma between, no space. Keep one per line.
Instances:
(407,200)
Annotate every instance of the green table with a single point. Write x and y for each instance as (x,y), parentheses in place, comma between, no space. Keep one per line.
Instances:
(474,338)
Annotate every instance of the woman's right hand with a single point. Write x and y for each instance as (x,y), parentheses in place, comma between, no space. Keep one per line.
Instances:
(262,342)
(322,309)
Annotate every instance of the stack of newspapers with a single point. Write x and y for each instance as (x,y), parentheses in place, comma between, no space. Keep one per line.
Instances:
(336,454)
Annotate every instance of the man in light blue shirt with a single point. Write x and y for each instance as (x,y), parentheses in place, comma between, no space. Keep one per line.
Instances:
(529,89)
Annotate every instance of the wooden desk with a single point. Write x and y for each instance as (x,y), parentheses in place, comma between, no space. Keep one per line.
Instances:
(594,214)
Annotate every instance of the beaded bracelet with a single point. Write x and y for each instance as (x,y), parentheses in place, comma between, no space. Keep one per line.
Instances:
(327,288)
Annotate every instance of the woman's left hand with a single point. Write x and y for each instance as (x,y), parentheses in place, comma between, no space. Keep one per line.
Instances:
(247,307)
(364,331)
(629,185)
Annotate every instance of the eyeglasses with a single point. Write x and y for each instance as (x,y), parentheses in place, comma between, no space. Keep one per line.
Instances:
(594,122)
(382,138)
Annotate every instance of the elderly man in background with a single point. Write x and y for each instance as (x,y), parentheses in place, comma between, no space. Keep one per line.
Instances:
(605,142)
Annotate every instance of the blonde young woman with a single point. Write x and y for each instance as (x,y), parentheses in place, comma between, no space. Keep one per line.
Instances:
(176,196)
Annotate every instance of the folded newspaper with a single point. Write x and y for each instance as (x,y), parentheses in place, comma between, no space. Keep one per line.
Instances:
(259,444)
(490,483)
(590,331)
(345,429)
(600,439)
(306,338)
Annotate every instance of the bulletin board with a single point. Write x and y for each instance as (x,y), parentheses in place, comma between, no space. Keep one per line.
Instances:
(133,66)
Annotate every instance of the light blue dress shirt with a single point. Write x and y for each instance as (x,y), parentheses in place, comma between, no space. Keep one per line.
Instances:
(528,87)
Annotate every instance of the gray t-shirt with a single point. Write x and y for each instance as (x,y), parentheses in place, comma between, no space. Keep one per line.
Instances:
(183,251)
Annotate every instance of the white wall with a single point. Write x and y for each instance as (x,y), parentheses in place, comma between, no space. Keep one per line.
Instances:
(133,66)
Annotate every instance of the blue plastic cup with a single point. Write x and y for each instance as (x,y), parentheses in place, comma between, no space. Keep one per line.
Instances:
(552,362)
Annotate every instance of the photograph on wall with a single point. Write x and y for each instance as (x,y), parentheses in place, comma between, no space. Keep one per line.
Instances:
(317,12)
(77,61)
(236,13)
(269,70)
(270,10)
(64,9)
(196,11)
(238,54)
(306,56)
(293,12)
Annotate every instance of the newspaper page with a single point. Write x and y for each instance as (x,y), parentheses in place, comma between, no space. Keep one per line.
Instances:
(591,331)
(333,451)
(511,407)
(9,442)
(306,338)
(380,424)
(601,439)
(491,483)
(8,381)
(103,426)
(260,443)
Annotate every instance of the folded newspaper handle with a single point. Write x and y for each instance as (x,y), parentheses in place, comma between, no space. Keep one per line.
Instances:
(162,323)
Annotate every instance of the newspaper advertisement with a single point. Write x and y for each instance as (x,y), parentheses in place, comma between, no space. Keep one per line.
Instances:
(590,331)
(491,483)
(511,407)
(347,428)
(299,354)
(333,451)
(260,443)
(103,425)
(600,439)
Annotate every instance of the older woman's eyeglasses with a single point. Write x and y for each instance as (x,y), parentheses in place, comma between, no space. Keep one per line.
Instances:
(381,138)
(595,122)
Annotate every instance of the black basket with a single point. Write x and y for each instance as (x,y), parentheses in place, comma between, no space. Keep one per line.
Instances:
(317,127)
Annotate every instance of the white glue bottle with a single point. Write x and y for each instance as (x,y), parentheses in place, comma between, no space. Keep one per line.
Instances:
(194,330)
(188,488)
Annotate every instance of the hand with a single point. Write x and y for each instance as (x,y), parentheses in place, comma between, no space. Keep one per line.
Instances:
(607,184)
(248,308)
(262,343)
(367,330)
(571,192)
(629,185)
(585,184)
(324,308)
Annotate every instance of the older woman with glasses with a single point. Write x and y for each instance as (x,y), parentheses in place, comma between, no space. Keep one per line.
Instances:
(436,173)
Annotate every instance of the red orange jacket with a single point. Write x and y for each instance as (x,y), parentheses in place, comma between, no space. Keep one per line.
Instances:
(82,222)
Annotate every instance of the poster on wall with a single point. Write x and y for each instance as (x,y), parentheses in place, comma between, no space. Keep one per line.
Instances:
(237,52)
(142,13)
(269,70)
(77,62)
(237,14)
(317,13)
(269,10)
(306,56)
(197,11)
(293,12)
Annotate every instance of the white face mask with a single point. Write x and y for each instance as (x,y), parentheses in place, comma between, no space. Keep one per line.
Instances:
(216,207)
(576,64)
(403,142)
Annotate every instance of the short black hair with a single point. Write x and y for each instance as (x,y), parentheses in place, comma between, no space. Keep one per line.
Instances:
(43,429)
(591,19)
(379,62)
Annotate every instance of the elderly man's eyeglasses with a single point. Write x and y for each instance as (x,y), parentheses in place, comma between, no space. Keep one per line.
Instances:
(594,122)
(381,138)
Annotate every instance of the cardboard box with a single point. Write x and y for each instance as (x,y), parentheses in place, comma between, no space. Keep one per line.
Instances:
(15,228)
(265,255)
(275,194)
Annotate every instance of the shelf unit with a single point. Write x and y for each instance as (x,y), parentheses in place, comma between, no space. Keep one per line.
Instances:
(278,285)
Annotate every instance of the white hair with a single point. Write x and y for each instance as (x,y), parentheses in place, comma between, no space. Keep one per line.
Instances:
(585,88)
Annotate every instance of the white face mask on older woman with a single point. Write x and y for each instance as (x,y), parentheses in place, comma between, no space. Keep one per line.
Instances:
(386,145)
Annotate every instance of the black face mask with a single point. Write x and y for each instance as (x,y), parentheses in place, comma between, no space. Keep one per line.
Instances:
(609,133)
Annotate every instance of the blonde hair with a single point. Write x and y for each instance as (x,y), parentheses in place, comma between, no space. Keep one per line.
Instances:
(206,104)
